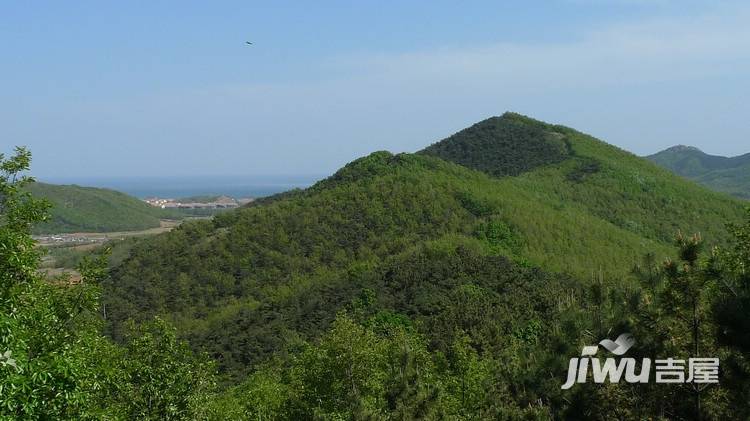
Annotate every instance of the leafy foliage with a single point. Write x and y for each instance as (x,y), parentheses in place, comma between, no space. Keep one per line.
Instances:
(493,357)
(163,380)
(54,361)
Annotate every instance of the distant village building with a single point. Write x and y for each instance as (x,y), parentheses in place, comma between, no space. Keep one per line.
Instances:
(221,202)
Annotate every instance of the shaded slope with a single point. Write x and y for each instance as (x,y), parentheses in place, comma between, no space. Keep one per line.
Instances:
(725,174)
(507,145)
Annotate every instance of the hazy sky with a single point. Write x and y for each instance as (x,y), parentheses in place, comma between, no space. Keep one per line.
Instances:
(170,88)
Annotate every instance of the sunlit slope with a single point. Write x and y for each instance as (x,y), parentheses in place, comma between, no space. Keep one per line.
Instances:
(90,209)
(526,216)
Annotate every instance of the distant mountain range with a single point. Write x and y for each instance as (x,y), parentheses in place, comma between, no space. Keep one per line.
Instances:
(725,174)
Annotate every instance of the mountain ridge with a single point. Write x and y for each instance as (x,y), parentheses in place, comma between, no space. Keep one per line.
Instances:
(730,175)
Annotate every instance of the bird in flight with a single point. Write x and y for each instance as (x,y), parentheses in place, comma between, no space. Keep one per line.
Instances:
(248,43)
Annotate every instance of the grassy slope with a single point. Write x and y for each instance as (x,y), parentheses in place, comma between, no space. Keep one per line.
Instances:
(89,209)
(254,279)
(728,175)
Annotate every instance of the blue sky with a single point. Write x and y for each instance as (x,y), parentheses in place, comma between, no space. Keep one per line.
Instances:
(169,88)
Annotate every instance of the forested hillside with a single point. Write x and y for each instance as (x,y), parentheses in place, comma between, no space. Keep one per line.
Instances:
(250,283)
(401,287)
(90,209)
(725,174)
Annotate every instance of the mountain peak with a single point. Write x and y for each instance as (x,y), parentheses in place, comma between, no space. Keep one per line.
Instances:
(682,148)
(509,144)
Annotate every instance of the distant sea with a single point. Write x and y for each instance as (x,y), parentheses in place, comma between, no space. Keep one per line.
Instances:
(174,187)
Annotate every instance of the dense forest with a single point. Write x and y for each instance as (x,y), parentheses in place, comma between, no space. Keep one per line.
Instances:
(507,145)
(440,285)
(232,284)
(90,209)
(725,174)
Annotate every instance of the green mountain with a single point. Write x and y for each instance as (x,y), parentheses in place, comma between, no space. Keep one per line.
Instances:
(90,209)
(507,145)
(594,177)
(412,229)
(402,287)
(725,174)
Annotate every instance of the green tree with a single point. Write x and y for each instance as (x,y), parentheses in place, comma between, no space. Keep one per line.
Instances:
(163,379)
(731,310)
(54,361)
(677,320)
(52,365)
